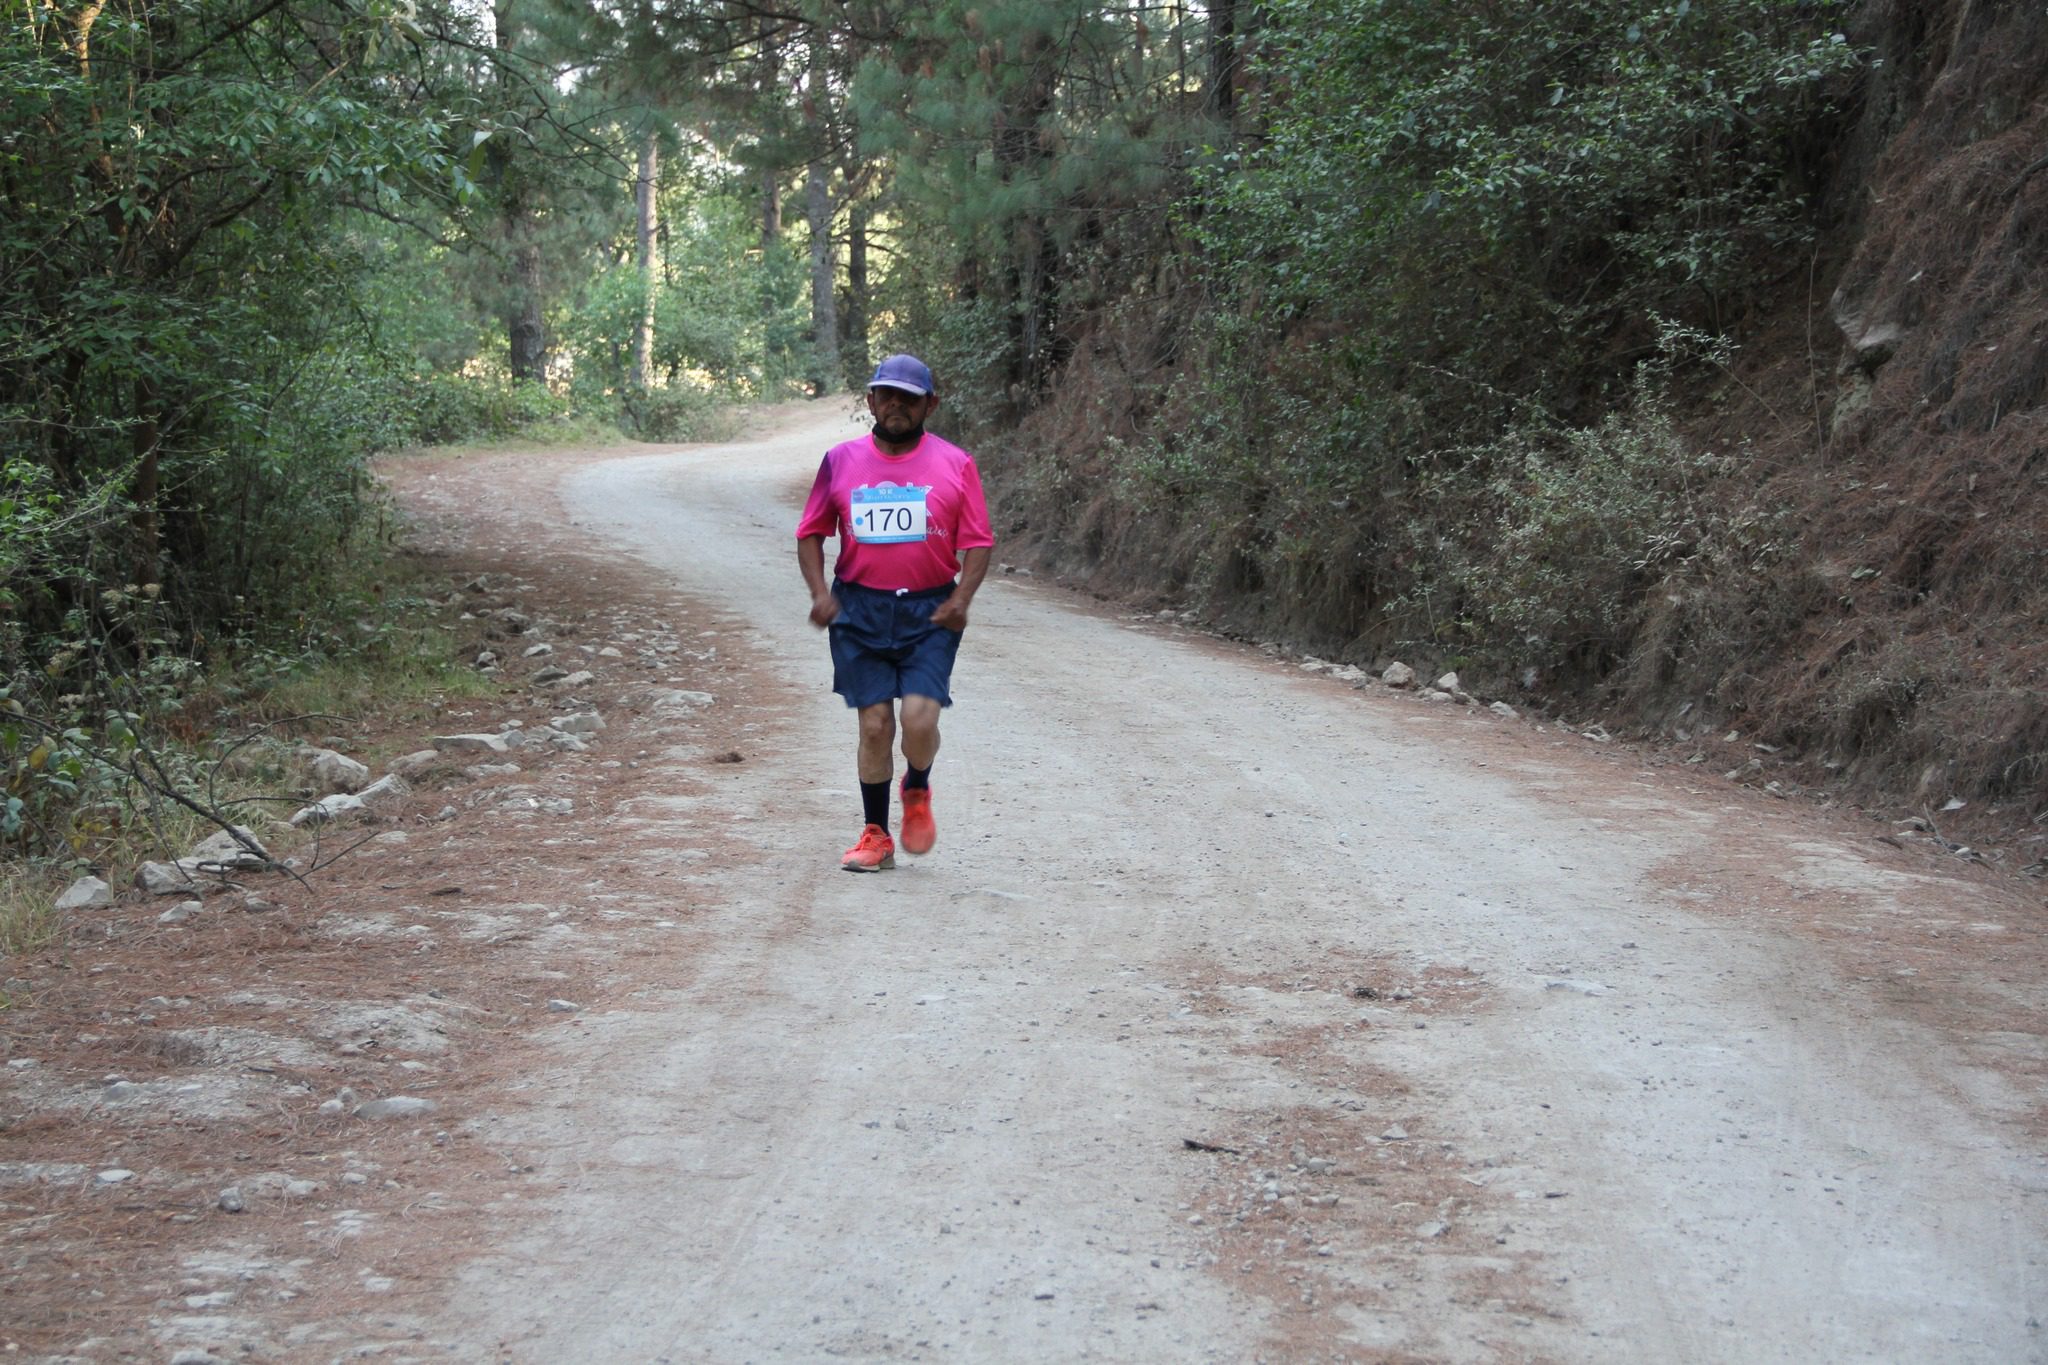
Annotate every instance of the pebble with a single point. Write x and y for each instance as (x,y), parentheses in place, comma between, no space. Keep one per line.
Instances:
(124,1090)
(231,1201)
(182,911)
(396,1107)
(563,1006)
(114,1176)
(1395,1134)
(219,1298)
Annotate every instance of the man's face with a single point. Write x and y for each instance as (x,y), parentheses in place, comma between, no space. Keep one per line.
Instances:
(899,414)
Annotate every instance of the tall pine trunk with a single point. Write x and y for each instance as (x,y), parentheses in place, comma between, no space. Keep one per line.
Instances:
(771,207)
(1021,155)
(854,323)
(1222,90)
(525,328)
(644,206)
(818,217)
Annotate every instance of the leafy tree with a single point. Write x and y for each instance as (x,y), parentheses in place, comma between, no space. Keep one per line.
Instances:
(189,378)
(1021,137)
(178,183)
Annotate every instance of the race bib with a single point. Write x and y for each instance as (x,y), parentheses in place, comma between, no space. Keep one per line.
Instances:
(886,514)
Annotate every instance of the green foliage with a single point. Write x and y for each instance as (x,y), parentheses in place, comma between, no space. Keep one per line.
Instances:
(969,343)
(1017,134)
(677,413)
(1548,547)
(729,318)
(1441,177)
(1417,386)
(179,362)
(443,409)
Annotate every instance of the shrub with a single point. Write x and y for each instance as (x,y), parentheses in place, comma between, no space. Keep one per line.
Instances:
(1544,547)
(675,413)
(448,408)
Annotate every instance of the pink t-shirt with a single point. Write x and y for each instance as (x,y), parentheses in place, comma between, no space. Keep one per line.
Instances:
(902,520)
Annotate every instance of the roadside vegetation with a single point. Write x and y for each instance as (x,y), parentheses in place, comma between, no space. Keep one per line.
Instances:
(1672,362)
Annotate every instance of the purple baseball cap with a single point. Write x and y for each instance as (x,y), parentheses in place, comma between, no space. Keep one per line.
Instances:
(905,372)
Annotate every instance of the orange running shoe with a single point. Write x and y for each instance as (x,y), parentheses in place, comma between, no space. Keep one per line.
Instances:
(919,833)
(875,851)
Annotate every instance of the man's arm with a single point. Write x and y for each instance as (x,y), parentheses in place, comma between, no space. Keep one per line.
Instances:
(952,613)
(810,558)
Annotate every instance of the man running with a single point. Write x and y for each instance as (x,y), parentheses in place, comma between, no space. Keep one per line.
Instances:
(909,513)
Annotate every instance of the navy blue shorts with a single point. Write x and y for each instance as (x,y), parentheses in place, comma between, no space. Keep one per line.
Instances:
(884,645)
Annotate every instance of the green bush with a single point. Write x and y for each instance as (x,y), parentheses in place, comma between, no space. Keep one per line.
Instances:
(676,413)
(1549,547)
(444,409)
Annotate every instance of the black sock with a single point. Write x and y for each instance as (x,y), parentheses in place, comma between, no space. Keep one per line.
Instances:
(874,800)
(916,779)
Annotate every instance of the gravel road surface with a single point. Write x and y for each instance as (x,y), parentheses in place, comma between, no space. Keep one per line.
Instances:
(1498,1043)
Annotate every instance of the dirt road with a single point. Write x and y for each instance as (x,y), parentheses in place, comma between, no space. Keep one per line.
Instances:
(1244,1011)
(1510,1046)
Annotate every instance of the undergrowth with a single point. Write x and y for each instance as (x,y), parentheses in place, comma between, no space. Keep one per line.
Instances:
(111,759)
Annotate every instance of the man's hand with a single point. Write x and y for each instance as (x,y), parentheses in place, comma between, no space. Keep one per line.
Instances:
(810,558)
(952,613)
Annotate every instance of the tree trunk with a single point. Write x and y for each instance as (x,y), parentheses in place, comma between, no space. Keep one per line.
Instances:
(854,324)
(771,178)
(1021,154)
(1222,58)
(643,202)
(526,329)
(818,216)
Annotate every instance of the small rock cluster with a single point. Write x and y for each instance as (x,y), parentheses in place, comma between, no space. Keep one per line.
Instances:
(342,787)
(1393,674)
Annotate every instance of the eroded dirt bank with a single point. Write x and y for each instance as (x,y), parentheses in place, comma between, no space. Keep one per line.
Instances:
(1240,1012)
